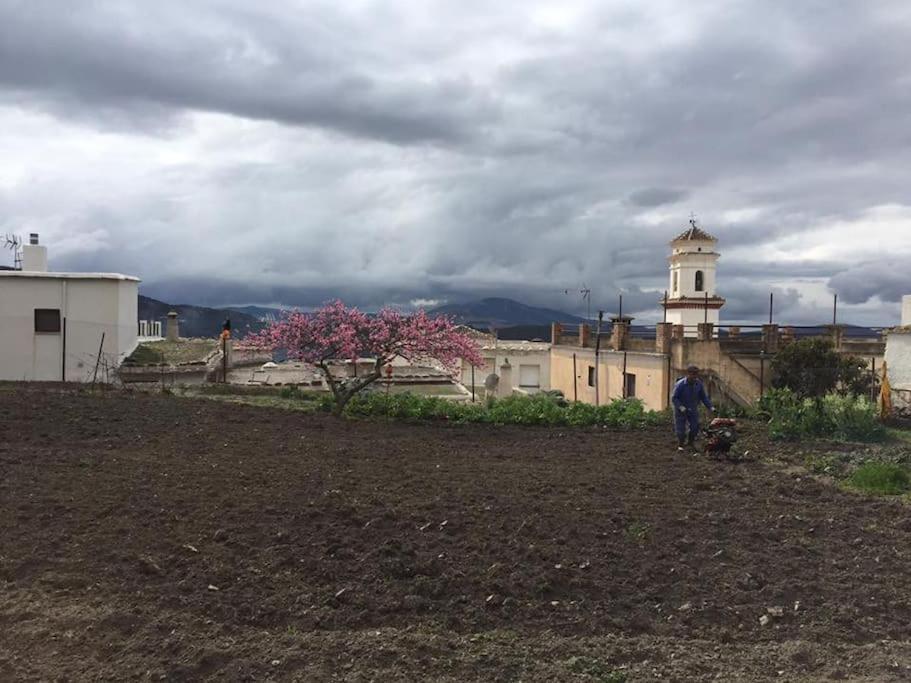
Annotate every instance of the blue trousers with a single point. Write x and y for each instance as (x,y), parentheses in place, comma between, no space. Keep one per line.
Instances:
(681,420)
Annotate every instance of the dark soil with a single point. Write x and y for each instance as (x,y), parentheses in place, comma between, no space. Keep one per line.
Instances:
(154,537)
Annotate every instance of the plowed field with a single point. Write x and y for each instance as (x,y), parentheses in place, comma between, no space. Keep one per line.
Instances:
(149,537)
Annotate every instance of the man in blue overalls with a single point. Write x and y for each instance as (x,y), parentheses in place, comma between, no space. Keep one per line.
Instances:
(689,392)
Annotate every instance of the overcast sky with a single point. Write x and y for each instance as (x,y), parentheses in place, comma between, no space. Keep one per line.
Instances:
(411,152)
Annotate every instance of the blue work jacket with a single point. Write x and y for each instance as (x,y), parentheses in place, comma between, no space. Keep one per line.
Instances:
(690,395)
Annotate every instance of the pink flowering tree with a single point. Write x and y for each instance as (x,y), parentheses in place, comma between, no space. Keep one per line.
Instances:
(338,333)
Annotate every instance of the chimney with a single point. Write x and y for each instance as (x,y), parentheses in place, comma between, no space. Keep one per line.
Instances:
(173,330)
(34,256)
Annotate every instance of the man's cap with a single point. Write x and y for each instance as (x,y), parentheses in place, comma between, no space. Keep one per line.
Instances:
(692,368)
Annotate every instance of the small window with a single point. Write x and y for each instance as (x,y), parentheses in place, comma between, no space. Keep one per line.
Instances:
(47,320)
(675,282)
(530,376)
(630,385)
(591,376)
(699,281)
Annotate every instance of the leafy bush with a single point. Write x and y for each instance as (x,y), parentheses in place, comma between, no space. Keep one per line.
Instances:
(852,418)
(834,416)
(296,392)
(540,409)
(813,368)
(882,478)
(732,410)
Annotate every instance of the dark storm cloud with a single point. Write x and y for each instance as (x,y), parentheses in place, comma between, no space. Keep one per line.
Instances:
(888,280)
(104,56)
(393,151)
(656,196)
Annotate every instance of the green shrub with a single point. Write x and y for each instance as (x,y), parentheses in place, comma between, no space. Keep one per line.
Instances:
(540,409)
(883,478)
(852,418)
(295,392)
(814,368)
(834,416)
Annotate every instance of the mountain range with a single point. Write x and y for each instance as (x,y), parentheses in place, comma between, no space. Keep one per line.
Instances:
(515,320)
(198,321)
(201,321)
(498,312)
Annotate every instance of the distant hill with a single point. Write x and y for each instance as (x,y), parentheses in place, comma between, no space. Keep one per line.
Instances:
(198,321)
(498,312)
(262,313)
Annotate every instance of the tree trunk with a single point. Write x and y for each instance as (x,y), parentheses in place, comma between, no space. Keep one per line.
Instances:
(341,400)
(345,392)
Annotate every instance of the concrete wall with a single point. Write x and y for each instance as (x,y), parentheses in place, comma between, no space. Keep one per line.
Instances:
(898,364)
(650,370)
(88,306)
(739,378)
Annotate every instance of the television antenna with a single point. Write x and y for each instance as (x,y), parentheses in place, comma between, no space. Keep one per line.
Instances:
(13,243)
(586,293)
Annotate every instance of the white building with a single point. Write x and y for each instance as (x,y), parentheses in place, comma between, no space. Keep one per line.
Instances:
(898,357)
(522,366)
(52,324)
(691,293)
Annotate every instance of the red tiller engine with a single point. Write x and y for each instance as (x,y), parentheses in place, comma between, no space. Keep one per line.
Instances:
(720,435)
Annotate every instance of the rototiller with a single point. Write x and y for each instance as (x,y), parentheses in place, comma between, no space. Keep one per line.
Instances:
(720,436)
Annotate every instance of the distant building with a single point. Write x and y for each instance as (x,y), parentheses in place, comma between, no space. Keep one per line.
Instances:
(691,293)
(898,357)
(644,363)
(522,366)
(52,324)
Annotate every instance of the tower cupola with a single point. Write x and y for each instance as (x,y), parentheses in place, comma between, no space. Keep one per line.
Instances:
(692,297)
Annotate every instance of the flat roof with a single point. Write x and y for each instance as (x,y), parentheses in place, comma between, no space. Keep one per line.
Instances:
(515,345)
(68,276)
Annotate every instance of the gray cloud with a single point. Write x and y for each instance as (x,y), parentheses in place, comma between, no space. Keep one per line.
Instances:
(205,61)
(657,196)
(888,280)
(449,150)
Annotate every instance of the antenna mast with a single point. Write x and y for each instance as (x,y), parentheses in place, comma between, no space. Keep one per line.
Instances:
(586,293)
(13,242)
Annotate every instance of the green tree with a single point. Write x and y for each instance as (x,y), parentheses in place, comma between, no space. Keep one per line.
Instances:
(812,368)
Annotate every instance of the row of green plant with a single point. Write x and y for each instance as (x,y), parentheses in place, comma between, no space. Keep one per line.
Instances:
(842,417)
(519,410)
(882,474)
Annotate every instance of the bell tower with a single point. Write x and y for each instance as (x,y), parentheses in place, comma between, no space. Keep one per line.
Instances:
(691,295)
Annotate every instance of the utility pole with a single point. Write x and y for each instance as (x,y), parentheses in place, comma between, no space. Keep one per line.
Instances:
(575,381)
(597,357)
